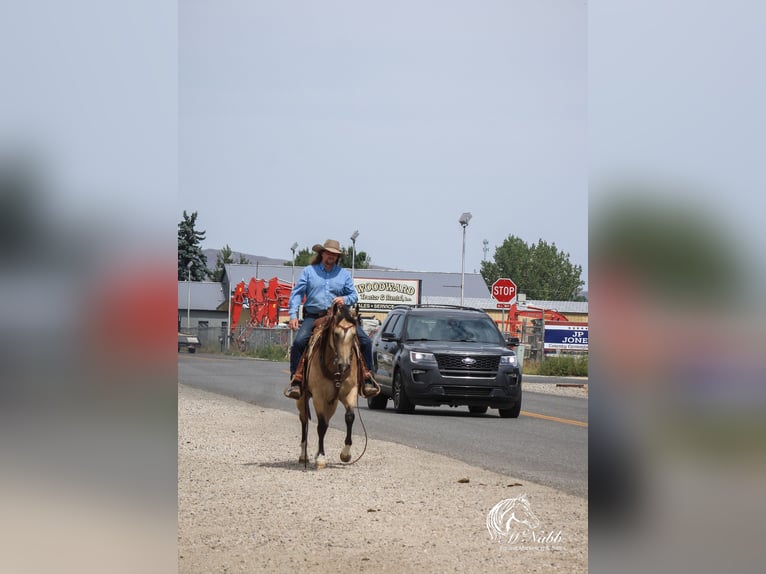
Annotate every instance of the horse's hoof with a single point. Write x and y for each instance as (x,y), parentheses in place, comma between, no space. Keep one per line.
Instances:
(321,463)
(345,457)
(302,460)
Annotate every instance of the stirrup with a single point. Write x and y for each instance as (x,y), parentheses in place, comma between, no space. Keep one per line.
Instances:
(293,390)
(373,392)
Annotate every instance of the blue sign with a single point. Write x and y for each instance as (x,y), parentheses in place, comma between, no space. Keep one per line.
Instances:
(566,337)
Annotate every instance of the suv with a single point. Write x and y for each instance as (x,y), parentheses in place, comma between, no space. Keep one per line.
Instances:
(445,355)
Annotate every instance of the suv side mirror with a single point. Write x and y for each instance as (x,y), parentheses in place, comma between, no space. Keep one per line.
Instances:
(388,336)
(512,341)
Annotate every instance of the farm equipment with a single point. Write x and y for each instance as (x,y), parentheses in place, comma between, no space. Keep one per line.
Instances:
(263,301)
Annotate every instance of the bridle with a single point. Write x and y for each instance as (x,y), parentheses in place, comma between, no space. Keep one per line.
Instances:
(329,356)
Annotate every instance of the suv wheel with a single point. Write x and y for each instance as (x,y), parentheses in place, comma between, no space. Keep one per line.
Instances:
(477,410)
(402,403)
(378,402)
(512,413)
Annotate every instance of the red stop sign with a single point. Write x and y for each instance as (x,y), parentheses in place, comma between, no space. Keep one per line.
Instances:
(503,290)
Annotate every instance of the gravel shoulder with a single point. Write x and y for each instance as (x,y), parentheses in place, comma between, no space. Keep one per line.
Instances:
(245,504)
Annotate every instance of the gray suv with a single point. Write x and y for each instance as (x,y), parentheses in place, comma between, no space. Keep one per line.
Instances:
(445,355)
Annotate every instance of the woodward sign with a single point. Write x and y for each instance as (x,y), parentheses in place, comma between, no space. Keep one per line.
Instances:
(385,294)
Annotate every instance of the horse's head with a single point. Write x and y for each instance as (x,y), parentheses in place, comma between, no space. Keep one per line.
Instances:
(343,334)
(522,512)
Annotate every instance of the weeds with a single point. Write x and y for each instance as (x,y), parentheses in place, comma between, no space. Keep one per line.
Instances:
(559,366)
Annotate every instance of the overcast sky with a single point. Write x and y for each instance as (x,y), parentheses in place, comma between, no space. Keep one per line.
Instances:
(301,121)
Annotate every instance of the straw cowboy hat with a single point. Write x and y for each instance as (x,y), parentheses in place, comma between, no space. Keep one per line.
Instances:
(330,245)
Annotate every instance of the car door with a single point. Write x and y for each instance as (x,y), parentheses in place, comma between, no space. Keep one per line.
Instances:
(384,349)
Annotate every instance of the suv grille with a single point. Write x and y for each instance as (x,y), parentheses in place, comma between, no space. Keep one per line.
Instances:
(466,365)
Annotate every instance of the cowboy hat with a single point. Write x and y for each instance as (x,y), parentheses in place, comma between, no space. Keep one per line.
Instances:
(330,245)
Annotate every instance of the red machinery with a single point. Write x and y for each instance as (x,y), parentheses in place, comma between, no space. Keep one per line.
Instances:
(263,302)
(517,317)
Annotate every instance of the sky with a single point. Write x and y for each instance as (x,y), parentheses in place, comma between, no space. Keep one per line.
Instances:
(302,121)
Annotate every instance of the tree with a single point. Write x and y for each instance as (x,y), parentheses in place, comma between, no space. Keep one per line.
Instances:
(302,258)
(224,257)
(540,271)
(360,259)
(190,251)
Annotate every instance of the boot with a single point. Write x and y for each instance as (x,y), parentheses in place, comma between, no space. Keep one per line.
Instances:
(293,390)
(369,388)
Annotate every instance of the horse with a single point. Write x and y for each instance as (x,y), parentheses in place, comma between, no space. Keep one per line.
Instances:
(501,519)
(332,372)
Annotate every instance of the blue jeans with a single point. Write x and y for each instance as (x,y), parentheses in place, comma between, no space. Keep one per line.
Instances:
(303,334)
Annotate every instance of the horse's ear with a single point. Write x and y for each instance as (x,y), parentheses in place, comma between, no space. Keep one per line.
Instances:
(355,311)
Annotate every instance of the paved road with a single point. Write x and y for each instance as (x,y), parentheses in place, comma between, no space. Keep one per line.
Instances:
(547,444)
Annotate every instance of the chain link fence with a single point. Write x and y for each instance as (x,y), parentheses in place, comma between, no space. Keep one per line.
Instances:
(257,342)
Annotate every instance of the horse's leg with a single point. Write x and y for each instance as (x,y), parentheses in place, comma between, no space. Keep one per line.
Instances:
(321,430)
(345,454)
(303,414)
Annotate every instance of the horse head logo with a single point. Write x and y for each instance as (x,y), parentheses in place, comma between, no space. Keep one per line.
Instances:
(509,514)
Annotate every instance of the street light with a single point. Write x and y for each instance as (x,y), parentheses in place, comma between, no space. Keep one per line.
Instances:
(354,235)
(188,296)
(464,219)
(293,247)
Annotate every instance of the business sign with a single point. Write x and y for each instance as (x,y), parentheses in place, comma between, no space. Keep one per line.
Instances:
(566,337)
(385,294)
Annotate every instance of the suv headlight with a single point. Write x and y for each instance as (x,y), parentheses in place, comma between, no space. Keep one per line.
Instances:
(508,360)
(421,357)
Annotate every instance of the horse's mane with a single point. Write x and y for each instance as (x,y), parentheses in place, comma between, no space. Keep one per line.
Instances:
(345,312)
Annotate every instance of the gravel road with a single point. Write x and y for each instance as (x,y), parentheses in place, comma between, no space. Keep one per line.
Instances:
(246,505)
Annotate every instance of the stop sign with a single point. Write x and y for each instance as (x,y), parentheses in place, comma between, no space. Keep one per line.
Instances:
(503,290)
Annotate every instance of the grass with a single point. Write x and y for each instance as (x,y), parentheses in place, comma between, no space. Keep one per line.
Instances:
(559,366)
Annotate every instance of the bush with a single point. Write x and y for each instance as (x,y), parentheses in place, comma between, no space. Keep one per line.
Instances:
(559,366)
(272,353)
(267,352)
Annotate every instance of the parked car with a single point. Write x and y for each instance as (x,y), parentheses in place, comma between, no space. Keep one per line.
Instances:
(189,342)
(445,355)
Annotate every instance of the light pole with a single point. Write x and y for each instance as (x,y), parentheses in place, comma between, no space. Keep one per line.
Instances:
(354,235)
(188,295)
(293,247)
(464,219)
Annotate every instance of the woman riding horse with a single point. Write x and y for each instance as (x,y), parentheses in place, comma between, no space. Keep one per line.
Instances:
(323,282)
(333,371)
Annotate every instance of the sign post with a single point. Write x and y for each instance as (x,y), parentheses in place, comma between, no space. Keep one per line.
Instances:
(504,292)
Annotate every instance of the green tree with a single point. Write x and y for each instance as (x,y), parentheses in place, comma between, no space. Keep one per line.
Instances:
(540,271)
(190,251)
(361,259)
(225,256)
(302,258)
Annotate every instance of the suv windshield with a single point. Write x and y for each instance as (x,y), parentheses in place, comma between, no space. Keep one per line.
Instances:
(478,330)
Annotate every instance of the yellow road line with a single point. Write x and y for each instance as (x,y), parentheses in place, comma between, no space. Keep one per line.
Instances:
(557,419)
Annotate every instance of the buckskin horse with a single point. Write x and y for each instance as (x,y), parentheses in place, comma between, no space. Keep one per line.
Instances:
(333,370)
